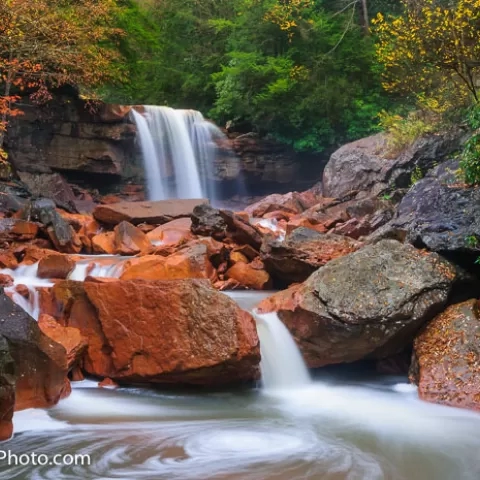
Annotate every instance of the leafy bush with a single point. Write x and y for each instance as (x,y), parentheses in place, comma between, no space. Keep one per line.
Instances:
(403,131)
(470,158)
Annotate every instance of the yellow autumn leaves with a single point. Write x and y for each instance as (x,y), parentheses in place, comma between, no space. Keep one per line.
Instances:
(287,14)
(432,52)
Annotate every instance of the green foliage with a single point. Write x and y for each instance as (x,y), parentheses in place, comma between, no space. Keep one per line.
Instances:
(404,130)
(416,175)
(472,241)
(300,71)
(470,158)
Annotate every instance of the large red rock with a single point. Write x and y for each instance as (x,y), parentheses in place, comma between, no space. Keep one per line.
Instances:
(190,262)
(368,304)
(55,266)
(248,276)
(13,229)
(40,363)
(446,354)
(130,240)
(85,226)
(172,233)
(179,331)
(104,243)
(158,212)
(70,338)
(303,252)
(8,260)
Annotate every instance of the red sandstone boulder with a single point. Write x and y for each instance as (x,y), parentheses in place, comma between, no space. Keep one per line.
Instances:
(250,277)
(8,260)
(162,211)
(5,280)
(190,262)
(55,266)
(23,290)
(107,383)
(446,354)
(12,229)
(179,331)
(130,240)
(30,255)
(104,243)
(70,338)
(172,233)
(40,362)
(85,226)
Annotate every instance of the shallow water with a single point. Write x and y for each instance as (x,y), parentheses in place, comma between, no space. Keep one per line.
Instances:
(322,431)
(332,428)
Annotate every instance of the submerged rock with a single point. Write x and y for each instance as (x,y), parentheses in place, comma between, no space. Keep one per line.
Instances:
(302,252)
(178,331)
(40,362)
(370,303)
(446,356)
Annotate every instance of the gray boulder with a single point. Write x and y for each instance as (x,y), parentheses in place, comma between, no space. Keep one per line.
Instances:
(367,165)
(370,303)
(440,213)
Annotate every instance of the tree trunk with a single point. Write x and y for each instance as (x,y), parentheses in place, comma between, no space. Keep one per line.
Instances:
(366,20)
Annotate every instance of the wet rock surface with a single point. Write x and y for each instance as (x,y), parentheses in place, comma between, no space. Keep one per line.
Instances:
(40,362)
(446,355)
(370,303)
(302,252)
(196,335)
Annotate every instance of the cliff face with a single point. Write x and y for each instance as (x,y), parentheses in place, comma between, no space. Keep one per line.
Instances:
(100,146)
(67,136)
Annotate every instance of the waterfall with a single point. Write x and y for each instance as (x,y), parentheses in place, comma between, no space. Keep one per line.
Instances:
(282,364)
(179,145)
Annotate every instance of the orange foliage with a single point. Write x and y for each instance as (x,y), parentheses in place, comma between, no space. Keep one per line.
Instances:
(48,43)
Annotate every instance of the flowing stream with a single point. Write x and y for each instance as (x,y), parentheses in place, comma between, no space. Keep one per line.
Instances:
(328,428)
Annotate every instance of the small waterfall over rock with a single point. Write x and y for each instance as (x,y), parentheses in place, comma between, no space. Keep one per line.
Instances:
(179,148)
(282,364)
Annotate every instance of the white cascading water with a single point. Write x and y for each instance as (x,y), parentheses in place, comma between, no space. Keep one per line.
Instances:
(179,143)
(282,364)
(97,266)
